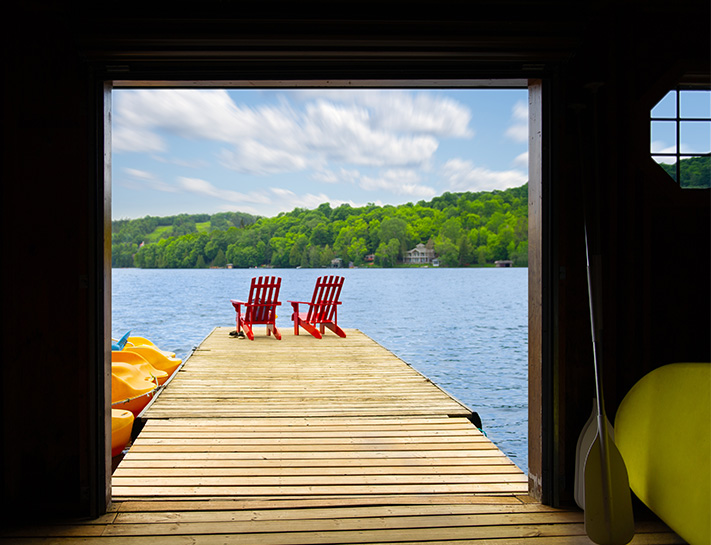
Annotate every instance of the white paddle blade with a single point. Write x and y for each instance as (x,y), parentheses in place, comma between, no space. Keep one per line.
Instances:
(608,501)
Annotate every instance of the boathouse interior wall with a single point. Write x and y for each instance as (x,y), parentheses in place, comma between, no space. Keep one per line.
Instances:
(594,70)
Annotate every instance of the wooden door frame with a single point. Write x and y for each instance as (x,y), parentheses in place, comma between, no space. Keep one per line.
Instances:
(541,392)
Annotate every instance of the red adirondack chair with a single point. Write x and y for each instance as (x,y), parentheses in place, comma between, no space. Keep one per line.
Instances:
(260,308)
(322,310)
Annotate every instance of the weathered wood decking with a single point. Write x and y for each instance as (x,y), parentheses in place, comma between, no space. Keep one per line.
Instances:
(306,441)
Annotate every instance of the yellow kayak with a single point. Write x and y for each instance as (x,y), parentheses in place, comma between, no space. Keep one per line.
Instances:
(663,431)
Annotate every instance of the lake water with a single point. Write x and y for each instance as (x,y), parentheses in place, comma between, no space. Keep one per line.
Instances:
(465,329)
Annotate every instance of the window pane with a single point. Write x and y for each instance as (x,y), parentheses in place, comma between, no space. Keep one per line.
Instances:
(666,107)
(663,137)
(695,172)
(695,137)
(695,104)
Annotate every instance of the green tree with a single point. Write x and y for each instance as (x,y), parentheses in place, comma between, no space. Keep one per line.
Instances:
(357,251)
(447,250)
(219,260)
(394,228)
(464,251)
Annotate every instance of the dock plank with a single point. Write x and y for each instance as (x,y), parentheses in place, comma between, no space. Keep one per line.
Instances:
(305,441)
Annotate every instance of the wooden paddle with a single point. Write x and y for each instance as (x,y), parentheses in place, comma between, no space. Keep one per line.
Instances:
(608,500)
(585,441)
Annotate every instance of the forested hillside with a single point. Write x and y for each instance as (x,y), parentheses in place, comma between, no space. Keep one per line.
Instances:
(463,229)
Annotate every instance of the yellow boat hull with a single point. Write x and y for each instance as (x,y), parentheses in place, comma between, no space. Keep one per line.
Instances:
(133,341)
(131,388)
(125,356)
(156,358)
(121,427)
(663,431)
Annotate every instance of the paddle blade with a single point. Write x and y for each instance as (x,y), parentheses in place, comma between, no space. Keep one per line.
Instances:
(586,438)
(608,500)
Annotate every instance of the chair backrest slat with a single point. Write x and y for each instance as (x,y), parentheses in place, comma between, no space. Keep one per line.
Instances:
(263,296)
(325,299)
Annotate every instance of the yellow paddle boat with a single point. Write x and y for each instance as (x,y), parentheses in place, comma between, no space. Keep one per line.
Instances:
(134,341)
(163,360)
(131,388)
(125,356)
(156,358)
(121,426)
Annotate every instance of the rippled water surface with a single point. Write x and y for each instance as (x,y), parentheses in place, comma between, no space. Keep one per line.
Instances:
(465,329)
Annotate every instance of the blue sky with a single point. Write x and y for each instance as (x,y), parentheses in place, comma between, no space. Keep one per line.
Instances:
(271,150)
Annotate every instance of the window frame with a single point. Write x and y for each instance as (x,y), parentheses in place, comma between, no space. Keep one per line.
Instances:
(678,119)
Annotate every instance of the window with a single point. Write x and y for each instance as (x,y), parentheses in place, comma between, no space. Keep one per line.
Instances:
(681,136)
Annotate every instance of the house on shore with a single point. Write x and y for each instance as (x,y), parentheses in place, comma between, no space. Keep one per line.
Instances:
(420,254)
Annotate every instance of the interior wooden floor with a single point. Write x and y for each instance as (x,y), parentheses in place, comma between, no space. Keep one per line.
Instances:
(306,441)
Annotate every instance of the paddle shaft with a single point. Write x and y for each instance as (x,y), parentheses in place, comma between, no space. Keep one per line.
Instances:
(602,430)
(598,370)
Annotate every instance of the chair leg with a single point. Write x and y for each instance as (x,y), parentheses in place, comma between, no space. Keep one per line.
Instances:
(295,317)
(247,329)
(311,329)
(337,330)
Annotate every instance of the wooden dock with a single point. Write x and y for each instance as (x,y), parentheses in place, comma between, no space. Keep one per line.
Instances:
(306,441)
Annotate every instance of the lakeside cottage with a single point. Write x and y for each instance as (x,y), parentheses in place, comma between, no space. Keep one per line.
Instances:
(419,254)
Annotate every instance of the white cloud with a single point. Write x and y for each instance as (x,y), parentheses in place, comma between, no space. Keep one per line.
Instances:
(205,188)
(405,112)
(178,161)
(330,177)
(398,182)
(288,200)
(521,160)
(658,146)
(141,179)
(462,175)
(132,138)
(518,131)
(253,157)
(386,129)
(349,134)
